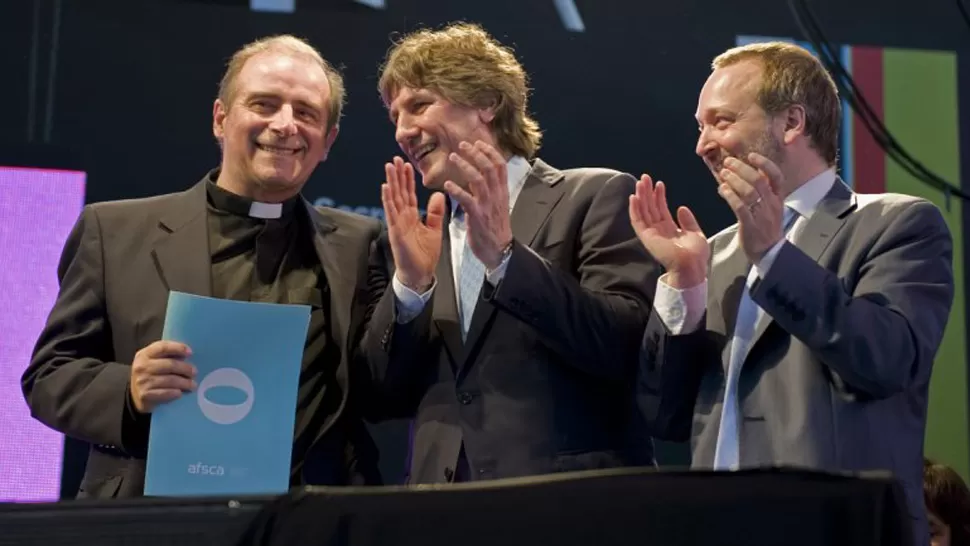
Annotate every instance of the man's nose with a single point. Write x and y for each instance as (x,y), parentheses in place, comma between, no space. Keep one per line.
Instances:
(405,132)
(284,122)
(704,144)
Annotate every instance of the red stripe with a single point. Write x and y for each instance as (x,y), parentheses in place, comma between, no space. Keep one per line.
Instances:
(868,159)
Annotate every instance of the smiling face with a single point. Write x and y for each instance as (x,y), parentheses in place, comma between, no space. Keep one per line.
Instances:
(731,122)
(430,127)
(273,131)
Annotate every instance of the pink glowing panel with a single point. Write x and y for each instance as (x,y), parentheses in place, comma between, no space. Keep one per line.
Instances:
(38,208)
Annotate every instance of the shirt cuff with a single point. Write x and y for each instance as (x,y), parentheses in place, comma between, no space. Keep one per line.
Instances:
(408,302)
(763,265)
(494,277)
(680,310)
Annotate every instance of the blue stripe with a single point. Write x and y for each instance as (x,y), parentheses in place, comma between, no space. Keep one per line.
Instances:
(846,145)
(569,15)
(745,39)
(276,6)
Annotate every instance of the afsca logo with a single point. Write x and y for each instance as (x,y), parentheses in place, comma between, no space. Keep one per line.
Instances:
(207,469)
(226,414)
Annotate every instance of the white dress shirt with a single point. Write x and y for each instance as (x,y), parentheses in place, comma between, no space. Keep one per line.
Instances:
(410,303)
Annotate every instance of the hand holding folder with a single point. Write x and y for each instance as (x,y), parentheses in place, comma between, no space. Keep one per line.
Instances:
(233,435)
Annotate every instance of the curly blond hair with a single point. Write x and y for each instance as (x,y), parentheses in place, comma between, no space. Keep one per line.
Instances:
(466,66)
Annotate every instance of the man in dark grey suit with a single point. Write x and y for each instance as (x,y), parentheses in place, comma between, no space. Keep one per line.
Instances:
(804,334)
(243,232)
(512,323)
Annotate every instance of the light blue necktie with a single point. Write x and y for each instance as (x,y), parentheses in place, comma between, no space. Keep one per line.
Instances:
(471,275)
(726,456)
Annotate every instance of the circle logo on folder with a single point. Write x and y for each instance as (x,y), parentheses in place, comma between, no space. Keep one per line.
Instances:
(226,414)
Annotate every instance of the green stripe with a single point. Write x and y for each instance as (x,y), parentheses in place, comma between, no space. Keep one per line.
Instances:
(921,112)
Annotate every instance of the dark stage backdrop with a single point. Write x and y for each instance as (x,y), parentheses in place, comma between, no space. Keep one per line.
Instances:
(126,87)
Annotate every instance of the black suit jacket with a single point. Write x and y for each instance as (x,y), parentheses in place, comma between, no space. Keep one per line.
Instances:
(544,381)
(117,268)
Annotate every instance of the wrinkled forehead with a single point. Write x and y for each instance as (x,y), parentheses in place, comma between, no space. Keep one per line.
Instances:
(403,98)
(270,71)
(733,87)
(404,94)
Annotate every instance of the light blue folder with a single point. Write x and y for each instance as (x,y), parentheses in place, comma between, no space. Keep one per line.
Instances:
(234,434)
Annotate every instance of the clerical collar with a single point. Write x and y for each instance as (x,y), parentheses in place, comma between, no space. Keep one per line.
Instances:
(224,200)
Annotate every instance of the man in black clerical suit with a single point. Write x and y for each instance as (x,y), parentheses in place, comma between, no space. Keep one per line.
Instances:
(243,232)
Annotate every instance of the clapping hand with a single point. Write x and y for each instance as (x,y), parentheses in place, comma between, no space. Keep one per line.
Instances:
(680,247)
(416,245)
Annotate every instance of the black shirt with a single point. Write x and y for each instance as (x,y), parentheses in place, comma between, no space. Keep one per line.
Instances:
(274,260)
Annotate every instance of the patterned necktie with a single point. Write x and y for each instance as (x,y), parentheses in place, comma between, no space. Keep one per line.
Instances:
(471,275)
(726,453)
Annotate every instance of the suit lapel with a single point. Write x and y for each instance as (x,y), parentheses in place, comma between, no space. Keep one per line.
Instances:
(339,263)
(829,217)
(540,193)
(181,253)
(338,266)
(729,270)
(445,300)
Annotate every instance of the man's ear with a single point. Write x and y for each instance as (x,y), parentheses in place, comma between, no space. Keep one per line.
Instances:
(219,112)
(328,143)
(794,123)
(487,114)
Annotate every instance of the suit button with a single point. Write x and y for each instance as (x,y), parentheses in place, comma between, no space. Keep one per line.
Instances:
(449,474)
(465,398)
